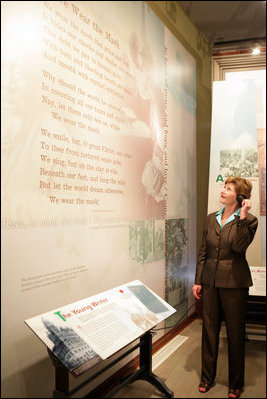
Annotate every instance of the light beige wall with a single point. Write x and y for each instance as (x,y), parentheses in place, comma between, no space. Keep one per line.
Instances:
(174,18)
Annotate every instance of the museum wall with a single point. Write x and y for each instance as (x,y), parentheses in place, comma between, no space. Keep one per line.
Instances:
(105,142)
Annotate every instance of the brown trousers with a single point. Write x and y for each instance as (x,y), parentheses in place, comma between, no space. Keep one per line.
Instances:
(231,304)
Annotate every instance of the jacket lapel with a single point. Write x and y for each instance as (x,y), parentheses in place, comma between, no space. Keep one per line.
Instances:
(217,226)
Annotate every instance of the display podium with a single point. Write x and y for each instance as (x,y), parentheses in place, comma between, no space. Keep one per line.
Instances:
(82,334)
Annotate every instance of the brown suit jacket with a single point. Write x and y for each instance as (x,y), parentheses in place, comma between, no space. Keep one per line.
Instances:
(222,255)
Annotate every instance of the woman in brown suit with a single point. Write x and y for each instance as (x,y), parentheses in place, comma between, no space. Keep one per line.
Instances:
(222,280)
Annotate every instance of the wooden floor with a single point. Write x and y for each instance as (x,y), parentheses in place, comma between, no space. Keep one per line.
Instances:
(181,370)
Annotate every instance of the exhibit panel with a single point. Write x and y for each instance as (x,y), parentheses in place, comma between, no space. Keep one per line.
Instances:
(83,333)
(98,165)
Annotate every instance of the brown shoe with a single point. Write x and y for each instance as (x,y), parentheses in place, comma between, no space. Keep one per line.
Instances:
(204,387)
(234,393)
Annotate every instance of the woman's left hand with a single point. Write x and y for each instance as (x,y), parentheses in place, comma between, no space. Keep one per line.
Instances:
(246,205)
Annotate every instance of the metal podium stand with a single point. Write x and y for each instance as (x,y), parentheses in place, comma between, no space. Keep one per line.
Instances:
(143,373)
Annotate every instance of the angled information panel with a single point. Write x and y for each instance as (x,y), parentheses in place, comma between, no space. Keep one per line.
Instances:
(83,333)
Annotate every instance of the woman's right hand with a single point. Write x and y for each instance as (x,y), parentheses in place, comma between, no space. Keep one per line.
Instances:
(197,291)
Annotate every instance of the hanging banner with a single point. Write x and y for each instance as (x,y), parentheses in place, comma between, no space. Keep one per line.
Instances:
(236,149)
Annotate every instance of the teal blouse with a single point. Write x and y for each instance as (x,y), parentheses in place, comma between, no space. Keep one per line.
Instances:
(219,216)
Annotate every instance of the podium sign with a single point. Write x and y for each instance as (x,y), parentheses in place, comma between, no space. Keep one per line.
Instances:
(83,333)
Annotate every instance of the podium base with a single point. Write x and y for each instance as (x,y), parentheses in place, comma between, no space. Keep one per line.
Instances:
(143,375)
(145,370)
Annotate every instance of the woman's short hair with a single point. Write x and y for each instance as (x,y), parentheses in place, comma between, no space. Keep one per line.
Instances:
(242,186)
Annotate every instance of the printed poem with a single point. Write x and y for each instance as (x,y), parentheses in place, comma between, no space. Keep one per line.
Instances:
(85,80)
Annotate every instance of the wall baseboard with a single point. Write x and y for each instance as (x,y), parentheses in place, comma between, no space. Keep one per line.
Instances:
(167,350)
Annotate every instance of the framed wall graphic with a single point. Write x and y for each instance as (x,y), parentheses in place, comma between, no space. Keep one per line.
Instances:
(238,148)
